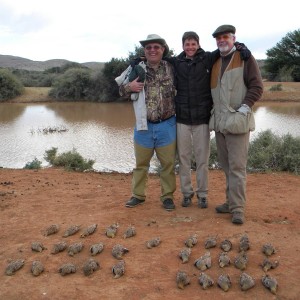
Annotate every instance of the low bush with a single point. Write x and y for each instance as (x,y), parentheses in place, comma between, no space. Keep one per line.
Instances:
(70,160)
(276,87)
(270,152)
(267,152)
(33,165)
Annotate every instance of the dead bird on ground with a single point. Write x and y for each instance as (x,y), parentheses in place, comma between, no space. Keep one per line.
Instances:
(118,269)
(59,247)
(96,248)
(37,247)
(89,230)
(246,282)
(71,230)
(191,241)
(75,248)
(14,266)
(37,268)
(203,262)
(153,243)
(184,254)
(182,279)
(90,267)
(111,231)
(118,251)
(205,281)
(66,269)
(52,229)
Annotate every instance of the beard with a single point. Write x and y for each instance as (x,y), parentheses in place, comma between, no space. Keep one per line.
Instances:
(224,49)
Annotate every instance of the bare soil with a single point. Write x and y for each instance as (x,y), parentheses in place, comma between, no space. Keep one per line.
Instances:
(31,200)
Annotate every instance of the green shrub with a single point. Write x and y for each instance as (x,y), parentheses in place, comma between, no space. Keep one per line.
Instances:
(10,86)
(267,152)
(276,87)
(73,84)
(34,165)
(70,160)
(270,152)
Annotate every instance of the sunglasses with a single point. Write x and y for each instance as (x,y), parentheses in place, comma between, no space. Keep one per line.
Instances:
(155,47)
(223,37)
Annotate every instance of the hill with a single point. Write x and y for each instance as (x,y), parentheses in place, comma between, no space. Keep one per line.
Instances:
(16,62)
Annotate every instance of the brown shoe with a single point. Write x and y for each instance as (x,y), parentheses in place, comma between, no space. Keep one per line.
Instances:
(238,217)
(223,208)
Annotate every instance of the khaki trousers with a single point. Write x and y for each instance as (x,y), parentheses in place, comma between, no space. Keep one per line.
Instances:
(166,157)
(233,153)
(193,139)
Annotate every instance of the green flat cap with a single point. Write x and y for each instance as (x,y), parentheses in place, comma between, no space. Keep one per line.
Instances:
(223,29)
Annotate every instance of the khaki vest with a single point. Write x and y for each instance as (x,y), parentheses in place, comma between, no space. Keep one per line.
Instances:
(228,94)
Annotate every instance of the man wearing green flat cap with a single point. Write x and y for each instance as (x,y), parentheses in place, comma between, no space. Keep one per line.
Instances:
(235,86)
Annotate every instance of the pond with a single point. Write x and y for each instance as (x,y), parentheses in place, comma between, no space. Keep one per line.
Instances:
(98,131)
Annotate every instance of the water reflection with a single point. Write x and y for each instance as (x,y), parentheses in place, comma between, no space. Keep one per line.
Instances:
(281,118)
(118,115)
(99,131)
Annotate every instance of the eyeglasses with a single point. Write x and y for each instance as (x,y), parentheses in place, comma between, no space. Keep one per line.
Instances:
(224,37)
(155,47)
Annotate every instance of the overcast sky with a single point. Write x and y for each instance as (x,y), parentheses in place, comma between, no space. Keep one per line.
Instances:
(95,30)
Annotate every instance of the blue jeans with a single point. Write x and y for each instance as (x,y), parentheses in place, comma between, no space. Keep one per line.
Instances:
(161,138)
(157,135)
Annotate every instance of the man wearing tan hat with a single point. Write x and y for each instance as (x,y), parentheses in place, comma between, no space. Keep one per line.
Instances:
(160,132)
(235,86)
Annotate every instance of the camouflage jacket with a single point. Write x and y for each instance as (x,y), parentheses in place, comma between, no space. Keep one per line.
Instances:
(159,92)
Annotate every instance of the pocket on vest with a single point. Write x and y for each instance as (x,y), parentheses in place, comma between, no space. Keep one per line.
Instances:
(238,123)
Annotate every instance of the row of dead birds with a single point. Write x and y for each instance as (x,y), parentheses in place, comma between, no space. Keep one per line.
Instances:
(91,264)
(202,263)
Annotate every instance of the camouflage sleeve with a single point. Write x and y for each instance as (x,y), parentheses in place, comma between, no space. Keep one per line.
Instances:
(124,90)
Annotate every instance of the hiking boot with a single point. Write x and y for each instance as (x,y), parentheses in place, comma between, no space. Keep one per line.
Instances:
(223,208)
(168,204)
(134,202)
(238,217)
(202,202)
(187,201)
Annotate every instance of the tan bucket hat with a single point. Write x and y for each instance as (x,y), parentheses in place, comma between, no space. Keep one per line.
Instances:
(155,38)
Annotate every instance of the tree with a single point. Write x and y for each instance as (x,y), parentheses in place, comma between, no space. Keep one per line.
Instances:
(73,84)
(284,59)
(10,86)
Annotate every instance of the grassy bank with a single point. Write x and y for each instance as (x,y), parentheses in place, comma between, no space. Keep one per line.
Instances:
(290,93)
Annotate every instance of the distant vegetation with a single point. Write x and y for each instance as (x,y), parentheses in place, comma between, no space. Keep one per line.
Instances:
(73,81)
(10,86)
(283,60)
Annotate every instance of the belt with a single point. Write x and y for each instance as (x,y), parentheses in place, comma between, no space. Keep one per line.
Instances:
(159,121)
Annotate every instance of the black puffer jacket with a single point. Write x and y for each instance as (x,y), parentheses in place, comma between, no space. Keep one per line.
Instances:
(193,100)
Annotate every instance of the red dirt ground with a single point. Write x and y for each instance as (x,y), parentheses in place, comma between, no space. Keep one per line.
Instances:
(30,201)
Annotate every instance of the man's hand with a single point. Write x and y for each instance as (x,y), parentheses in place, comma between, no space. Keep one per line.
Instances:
(244,109)
(136,86)
(244,51)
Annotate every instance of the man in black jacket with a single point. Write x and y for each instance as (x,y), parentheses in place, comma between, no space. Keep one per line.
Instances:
(193,103)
